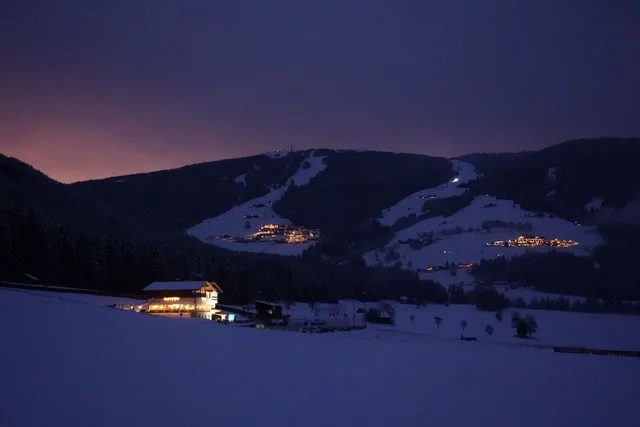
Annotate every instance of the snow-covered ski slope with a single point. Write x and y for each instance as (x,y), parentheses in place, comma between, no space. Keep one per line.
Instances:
(469,245)
(412,204)
(232,222)
(69,364)
(460,238)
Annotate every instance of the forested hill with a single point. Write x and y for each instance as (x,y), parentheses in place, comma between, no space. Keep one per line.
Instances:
(563,178)
(353,189)
(120,233)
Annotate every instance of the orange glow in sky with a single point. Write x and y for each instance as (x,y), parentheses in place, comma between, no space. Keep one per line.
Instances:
(73,135)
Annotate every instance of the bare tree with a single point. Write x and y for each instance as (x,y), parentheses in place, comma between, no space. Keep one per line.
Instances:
(516,317)
(438,321)
(463,325)
(532,324)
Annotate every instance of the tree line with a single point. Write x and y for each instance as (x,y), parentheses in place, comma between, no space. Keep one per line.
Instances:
(58,254)
(610,274)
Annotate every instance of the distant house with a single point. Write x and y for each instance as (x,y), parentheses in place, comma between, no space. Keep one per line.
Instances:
(184,299)
(268,314)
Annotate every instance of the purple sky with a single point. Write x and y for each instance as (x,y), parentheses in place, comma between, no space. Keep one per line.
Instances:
(95,88)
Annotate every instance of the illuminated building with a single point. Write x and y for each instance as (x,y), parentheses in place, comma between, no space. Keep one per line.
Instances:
(184,299)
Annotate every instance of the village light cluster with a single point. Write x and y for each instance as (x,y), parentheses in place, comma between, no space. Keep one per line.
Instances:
(534,241)
(285,233)
(275,233)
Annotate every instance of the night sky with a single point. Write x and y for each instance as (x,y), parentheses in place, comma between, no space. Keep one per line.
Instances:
(97,88)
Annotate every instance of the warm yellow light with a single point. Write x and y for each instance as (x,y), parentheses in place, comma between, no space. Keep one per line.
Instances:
(535,241)
(171,298)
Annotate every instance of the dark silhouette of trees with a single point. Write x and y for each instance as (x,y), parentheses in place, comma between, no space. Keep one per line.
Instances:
(488,299)
(525,326)
(347,197)
(60,255)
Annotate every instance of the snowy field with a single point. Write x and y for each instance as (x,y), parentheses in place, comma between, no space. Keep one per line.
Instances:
(561,328)
(464,278)
(77,298)
(528,294)
(66,364)
(232,222)
(607,331)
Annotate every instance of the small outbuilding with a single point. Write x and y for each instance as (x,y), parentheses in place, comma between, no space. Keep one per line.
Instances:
(266,310)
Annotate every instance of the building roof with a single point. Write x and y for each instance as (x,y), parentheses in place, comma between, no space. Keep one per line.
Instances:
(180,286)
(270,304)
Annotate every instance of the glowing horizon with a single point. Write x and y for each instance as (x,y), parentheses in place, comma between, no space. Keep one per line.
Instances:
(131,87)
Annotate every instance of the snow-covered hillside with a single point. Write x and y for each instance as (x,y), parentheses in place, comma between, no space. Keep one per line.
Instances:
(594,205)
(67,364)
(462,238)
(412,204)
(245,220)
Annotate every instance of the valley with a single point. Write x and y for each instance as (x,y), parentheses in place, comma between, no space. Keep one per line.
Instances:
(319,214)
(442,268)
(331,224)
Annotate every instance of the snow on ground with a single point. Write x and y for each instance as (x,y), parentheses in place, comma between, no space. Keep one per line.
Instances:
(464,278)
(241,179)
(528,294)
(304,175)
(561,328)
(594,204)
(79,298)
(68,364)
(469,246)
(43,286)
(412,204)
(232,222)
(551,174)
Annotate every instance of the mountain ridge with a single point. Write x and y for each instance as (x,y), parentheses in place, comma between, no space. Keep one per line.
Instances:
(346,200)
